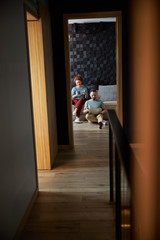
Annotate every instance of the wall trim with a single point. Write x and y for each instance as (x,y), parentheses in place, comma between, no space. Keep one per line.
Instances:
(64,147)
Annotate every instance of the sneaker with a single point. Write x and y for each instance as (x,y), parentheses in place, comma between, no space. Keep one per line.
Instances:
(77,120)
(104,122)
(74,112)
(100,125)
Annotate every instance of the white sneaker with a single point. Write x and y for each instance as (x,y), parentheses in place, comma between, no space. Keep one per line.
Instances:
(77,120)
(104,122)
(74,112)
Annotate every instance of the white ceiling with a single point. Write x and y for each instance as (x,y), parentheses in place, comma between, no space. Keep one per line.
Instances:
(91,20)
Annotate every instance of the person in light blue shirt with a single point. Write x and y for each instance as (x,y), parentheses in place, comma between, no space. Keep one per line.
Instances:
(79,92)
(94,109)
(79,95)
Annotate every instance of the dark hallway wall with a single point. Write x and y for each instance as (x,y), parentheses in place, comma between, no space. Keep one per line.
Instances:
(57,11)
(18,169)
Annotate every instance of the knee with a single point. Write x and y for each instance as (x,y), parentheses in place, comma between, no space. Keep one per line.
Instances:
(87,116)
(100,117)
(81,100)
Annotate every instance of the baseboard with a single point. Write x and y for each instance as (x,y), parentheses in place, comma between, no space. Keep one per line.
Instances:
(65,147)
(25,217)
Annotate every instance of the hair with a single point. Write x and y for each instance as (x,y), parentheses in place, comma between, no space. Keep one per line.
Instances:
(78,77)
(93,90)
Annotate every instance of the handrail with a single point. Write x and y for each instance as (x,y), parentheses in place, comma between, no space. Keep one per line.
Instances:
(122,144)
(122,171)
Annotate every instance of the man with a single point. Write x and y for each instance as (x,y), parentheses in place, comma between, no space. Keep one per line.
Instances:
(94,109)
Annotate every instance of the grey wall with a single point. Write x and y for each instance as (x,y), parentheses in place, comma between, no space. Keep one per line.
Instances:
(17,158)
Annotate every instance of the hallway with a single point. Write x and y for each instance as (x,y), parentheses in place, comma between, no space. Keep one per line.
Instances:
(73,202)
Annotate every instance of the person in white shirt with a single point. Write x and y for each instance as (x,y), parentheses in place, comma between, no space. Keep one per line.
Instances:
(94,109)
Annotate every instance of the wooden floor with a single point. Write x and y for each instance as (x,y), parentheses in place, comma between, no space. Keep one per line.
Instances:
(73,202)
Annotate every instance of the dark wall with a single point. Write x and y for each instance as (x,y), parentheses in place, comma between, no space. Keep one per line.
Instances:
(93,52)
(59,74)
(18,168)
(57,10)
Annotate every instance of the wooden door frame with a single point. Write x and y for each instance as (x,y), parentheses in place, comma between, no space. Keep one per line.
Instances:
(40,24)
(118,16)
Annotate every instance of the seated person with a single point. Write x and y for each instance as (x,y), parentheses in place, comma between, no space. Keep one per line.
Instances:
(95,109)
(79,96)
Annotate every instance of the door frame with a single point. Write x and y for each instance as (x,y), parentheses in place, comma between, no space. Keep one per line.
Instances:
(118,16)
(37,27)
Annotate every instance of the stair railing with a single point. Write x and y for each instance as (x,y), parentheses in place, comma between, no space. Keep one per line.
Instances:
(120,180)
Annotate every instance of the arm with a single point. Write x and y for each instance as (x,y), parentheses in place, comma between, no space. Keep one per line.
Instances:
(104,109)
(85,92)
(73,93)
(86,110)
(86,95)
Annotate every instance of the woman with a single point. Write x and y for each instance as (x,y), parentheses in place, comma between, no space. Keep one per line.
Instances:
(79,95)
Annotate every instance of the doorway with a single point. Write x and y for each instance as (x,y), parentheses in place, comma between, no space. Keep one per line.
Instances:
(94,16)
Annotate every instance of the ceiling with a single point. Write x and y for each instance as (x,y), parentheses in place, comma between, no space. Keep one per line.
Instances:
(92,20)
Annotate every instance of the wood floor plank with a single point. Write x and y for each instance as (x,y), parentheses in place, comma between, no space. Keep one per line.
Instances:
(73,199)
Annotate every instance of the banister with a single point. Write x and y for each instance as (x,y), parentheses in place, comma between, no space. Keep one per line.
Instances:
(122,183)
(121,142)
